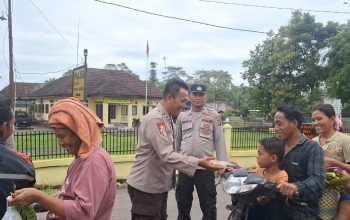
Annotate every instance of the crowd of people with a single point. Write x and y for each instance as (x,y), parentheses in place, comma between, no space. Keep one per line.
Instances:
(296,164)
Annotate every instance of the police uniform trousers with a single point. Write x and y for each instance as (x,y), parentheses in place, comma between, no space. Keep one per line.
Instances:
(148,206)
(204,181)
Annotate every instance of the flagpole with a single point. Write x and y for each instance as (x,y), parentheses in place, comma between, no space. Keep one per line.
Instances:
(147,52)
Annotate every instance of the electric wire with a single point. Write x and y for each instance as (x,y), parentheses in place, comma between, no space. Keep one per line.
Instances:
(182,19)
(3,48)
(5,7)
(274,7)
(16,70)
(50,72)
(50,23)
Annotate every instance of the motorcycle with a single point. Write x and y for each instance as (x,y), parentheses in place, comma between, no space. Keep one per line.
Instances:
(244,189)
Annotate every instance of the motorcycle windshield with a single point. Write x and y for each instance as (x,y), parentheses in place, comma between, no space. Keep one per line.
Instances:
(234,185)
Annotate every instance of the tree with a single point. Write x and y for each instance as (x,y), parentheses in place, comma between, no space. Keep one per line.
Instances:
(124,67)
(242,100)
(153,80)
(120,67)
(287,67)
(69,72)
(218,82)
(174,72)
(338,65)
(110,66)
(48,81)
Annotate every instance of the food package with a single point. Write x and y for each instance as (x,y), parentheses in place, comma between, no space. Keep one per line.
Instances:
(11,213)
(222,164)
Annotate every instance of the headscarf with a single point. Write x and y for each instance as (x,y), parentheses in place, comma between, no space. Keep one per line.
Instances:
(73,114)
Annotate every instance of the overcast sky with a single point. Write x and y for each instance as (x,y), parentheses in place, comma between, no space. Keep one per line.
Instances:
(45,34)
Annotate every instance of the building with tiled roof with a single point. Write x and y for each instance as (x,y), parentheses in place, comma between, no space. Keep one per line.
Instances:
(116,96)
(22,91)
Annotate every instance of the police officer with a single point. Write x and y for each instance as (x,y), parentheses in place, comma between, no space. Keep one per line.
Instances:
(152,174)
(199,133)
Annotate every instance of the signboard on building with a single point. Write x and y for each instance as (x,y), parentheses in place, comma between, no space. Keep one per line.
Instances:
(308,130)
(78,83)
(336,103)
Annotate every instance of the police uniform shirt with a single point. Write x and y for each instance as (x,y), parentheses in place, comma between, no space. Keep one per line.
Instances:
(200,134)
(156,158)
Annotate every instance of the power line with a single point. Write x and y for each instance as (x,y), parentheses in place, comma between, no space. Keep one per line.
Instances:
(50,72)
(182,19)
(16,68)
(274,7)
(3,48)
(5,6)
(48,21)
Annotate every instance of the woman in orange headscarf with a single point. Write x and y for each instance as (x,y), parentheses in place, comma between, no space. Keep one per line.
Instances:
(90,184)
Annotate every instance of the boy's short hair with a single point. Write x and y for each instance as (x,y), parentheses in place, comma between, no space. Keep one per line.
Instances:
(273,146)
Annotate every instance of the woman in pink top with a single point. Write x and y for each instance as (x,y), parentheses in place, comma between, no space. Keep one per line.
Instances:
(90,185)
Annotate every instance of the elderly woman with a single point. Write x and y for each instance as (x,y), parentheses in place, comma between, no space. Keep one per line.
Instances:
(90,185)
(14,170)
(336,146)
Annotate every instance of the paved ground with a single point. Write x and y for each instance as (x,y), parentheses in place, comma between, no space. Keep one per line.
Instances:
(122,206)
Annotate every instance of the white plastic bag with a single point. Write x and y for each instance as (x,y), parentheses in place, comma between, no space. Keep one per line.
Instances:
(11,213)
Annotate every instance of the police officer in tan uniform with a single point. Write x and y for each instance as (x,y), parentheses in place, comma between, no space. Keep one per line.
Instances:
(152,174)
(199,133)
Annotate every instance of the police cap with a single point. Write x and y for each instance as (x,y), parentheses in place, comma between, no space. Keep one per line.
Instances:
(198,88)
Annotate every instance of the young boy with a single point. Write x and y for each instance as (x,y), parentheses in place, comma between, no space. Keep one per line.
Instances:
(270,153)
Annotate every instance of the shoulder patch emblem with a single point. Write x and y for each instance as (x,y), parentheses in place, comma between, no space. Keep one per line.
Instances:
(218,120)
(161,126)
(208,113)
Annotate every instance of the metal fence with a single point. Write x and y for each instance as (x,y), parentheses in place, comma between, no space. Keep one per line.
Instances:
(248,138)
(44,144)
(120,141)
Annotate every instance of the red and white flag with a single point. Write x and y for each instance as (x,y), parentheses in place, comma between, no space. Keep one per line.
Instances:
(147,49)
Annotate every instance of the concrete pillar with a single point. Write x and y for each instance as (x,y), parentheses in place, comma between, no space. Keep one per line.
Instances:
(105,113)
(130,116)
(228,135)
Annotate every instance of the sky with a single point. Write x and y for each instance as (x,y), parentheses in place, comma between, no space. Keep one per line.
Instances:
(45,34)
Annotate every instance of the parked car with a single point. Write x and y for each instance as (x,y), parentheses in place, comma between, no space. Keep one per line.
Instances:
(22,119)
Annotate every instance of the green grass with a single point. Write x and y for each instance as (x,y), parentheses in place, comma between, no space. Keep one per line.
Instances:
(248,140)
(48,189)
(117,144)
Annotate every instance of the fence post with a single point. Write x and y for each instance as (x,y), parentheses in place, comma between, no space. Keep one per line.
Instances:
(227,134)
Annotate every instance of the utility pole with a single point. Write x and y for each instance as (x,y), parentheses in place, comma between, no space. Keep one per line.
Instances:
(2,18)
(12,83)
(85,76)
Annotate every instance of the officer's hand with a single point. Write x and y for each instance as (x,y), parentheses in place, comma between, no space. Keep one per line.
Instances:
(204,162)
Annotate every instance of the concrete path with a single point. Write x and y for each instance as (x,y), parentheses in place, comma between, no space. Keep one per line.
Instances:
(122,206)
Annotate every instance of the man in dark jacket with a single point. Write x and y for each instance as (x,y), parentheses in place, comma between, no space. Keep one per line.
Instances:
(15,172)
(304,163)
